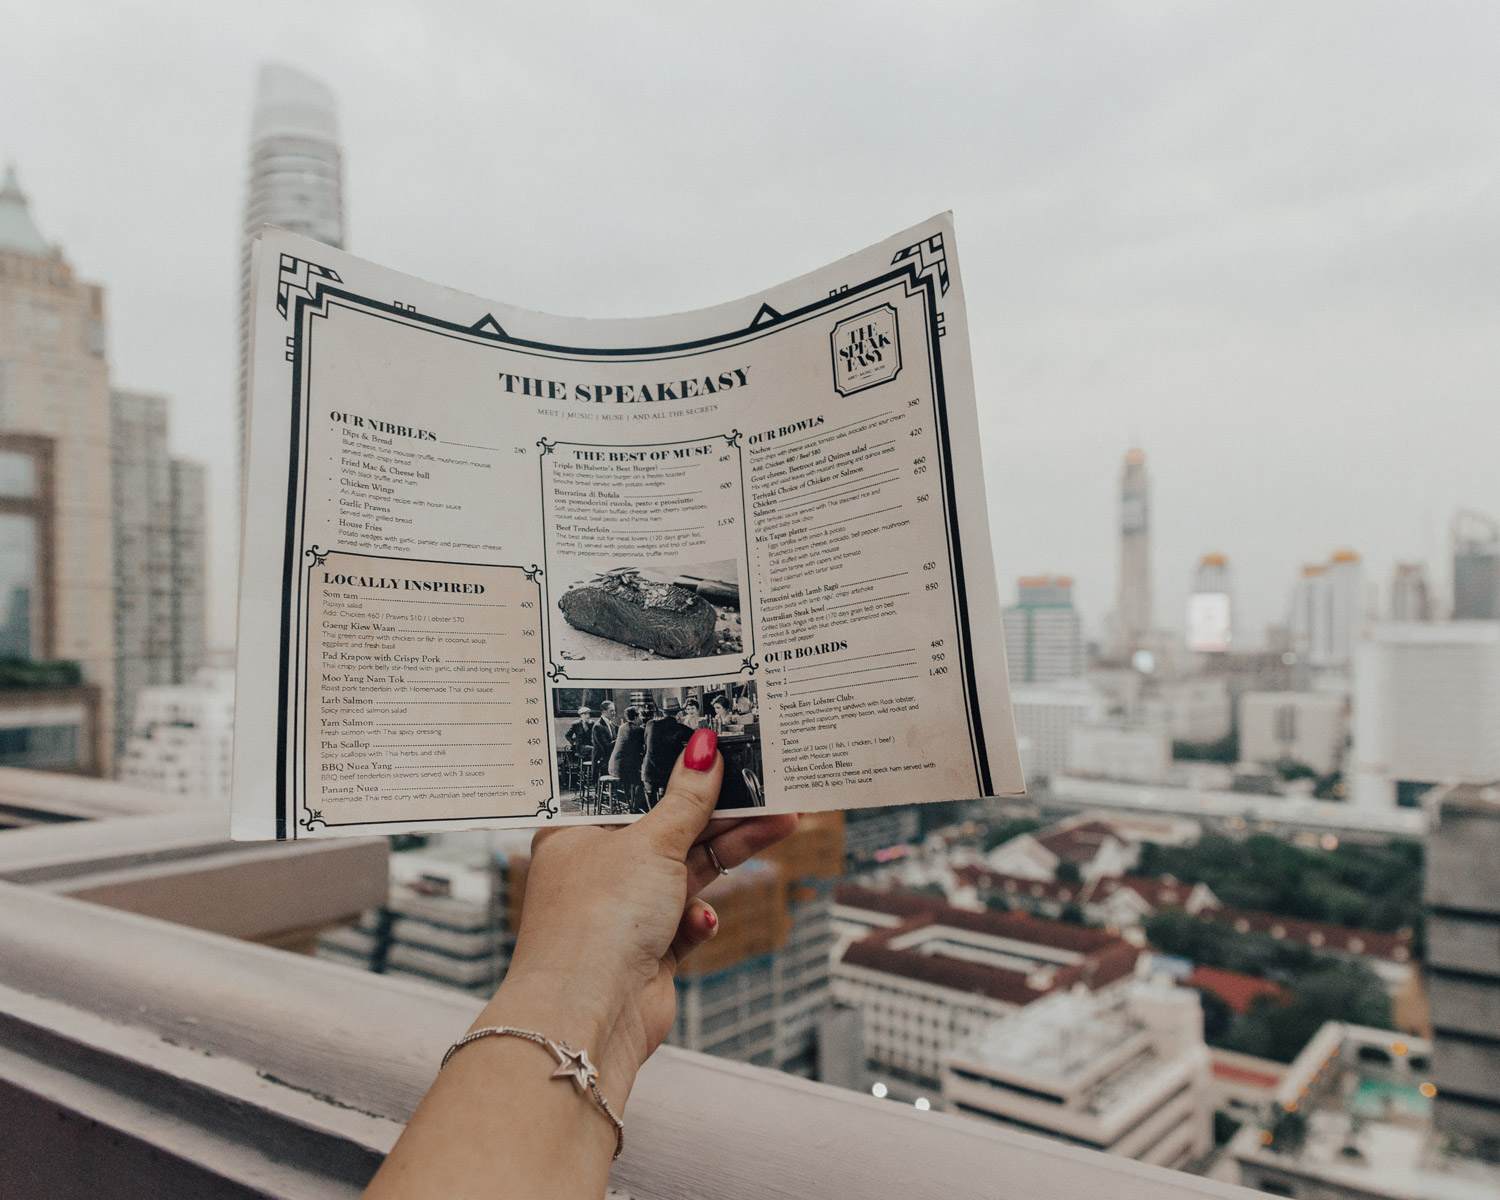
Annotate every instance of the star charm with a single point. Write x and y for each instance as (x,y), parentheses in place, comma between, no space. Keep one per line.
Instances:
(573,1064)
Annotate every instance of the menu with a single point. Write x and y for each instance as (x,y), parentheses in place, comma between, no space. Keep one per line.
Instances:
(498,565)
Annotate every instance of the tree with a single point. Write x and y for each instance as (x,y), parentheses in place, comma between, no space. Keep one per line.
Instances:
(1336,992)
(1067,872)
(1003,833)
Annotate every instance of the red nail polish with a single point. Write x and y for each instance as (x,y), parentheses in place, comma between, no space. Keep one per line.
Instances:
(701,747)
(710,918)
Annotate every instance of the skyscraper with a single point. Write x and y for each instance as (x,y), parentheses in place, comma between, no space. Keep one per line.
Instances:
(1328,610)
(54,381)
(1043,632)
(159,557)
(1210,607)
(1411,599)
(296,183)
(1135,553)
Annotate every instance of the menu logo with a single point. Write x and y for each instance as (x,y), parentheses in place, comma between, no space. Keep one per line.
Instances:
(866,350)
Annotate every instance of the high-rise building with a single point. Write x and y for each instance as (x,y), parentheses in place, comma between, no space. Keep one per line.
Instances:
(159,557)
(296,183)
(1426,709)
(1411,599)
(1134,612)
(1210,617)
(54,381)
(1328,610)
(1476,567)
(1463,958)
(1043,631)
(1124,1070)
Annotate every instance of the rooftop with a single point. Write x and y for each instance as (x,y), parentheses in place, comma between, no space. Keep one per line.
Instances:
(1011,957)
(1361,1114)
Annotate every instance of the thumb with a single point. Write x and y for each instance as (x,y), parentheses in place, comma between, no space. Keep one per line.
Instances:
(684,809)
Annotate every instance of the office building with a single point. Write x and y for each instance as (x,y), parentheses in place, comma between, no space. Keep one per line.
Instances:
(1197,709)
(1043,631)
(1106,752)
(182,739)
(1411,598)
(1353,1119)
(759,992)
(1210,614)
(296,183)
(1462,894)
(1046,716)
(1310,728)
(54,382)
(1134,603)
(1476,567)
(1328,610)
(1123,1070)
(1426,709)
(160,557)
(927,976)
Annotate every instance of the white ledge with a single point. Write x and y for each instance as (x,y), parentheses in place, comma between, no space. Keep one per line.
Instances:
(260,1069)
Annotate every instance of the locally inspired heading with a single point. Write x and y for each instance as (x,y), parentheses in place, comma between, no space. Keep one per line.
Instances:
(405,585)
(626,393)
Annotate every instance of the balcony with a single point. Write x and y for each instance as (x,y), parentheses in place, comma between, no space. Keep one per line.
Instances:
(149,1048)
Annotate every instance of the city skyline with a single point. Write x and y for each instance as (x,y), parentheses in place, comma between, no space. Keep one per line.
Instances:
(1297,331)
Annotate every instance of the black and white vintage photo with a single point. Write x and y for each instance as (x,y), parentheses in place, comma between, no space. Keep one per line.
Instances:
(625,612)
(616,746)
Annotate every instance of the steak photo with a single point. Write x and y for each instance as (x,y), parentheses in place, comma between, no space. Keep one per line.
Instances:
(663,618)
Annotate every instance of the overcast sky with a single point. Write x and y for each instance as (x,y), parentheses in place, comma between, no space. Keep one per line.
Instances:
(1261,240)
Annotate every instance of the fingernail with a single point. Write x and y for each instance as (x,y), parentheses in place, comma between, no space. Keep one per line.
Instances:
(711,919)
(699,755)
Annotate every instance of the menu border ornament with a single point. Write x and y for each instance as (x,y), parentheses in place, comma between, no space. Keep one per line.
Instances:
(921,269)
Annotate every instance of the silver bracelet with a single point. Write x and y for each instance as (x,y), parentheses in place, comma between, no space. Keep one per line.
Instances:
(571,1064)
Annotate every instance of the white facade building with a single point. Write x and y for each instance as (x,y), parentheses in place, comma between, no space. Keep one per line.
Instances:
(184,738)
(1426,709)
(1045,719)
(1191,710)
(1353,1120)
(1305,727)
(941,974)
(1137,755)
(1124,1071)
(1328,610)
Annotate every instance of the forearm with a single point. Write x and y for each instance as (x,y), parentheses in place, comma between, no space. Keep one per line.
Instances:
(496,1123)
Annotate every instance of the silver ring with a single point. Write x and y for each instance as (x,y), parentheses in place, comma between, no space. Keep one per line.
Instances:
(714,858)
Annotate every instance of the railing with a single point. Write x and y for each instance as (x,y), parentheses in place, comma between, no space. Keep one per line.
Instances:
(142,1058)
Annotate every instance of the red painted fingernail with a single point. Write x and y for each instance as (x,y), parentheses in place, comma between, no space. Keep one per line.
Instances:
(701,747)
(710,919)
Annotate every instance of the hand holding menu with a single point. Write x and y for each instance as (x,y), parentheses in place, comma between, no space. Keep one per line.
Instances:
(497,566)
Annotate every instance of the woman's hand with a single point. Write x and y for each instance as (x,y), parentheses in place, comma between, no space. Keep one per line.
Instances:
(609,912)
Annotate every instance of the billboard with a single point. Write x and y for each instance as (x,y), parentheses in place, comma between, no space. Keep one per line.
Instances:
(1208,627)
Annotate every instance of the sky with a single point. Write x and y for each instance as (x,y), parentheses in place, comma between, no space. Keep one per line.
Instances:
(1258,239)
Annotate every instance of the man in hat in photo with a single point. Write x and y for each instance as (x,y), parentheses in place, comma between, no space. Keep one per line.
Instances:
(665,738)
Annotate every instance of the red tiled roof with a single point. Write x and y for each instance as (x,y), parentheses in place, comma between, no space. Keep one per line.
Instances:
(1334,939)
(1235,1074)
(1158,893)
(1238,991)
(1107,958)
(894,902)
(1079,843)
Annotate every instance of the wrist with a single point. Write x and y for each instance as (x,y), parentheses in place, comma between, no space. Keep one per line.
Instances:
(557,1010)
